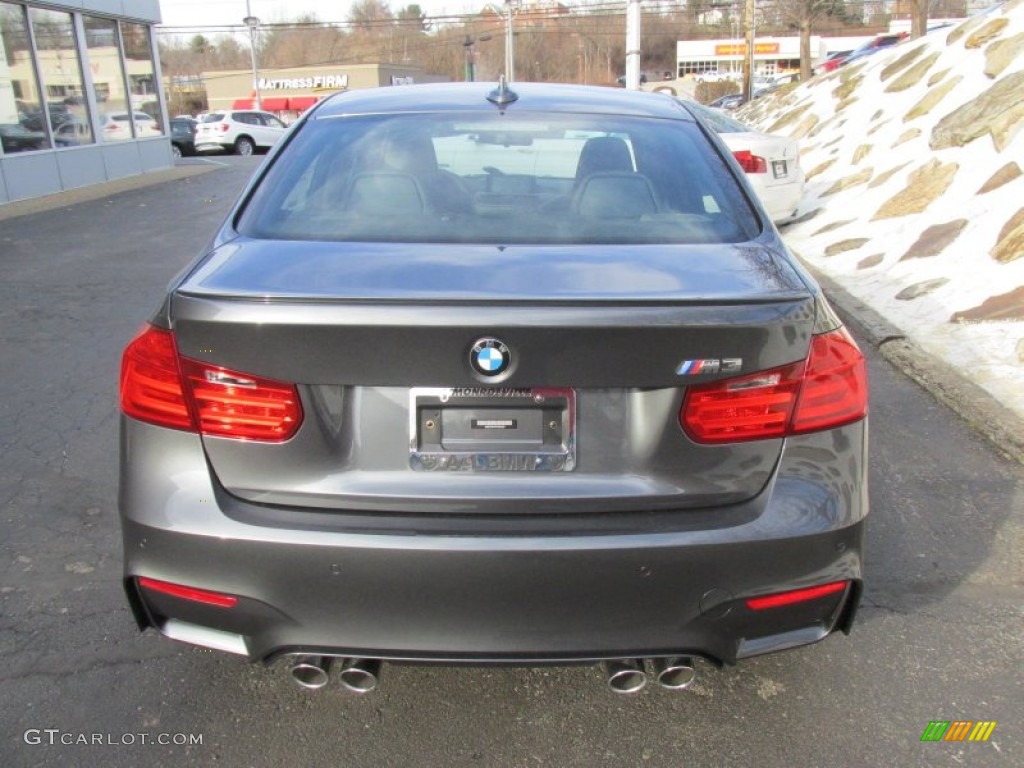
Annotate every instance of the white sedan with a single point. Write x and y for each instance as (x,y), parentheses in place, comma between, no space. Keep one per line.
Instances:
(772,163)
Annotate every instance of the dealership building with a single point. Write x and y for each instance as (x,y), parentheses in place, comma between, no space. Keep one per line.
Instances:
(772,55)
(288,92)
(80,95)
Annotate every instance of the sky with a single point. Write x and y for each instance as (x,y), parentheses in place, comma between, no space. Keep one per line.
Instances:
(215,13)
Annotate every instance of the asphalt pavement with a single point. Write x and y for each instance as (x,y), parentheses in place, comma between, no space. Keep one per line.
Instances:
(939,636)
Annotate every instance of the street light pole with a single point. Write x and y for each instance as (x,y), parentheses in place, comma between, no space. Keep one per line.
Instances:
(252,22)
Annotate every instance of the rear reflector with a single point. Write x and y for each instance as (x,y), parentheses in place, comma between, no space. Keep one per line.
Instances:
(160,387)
(750,162)
(188,593)
(796,596)
(827,390)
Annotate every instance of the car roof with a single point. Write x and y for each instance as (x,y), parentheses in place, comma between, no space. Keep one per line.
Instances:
(462,97)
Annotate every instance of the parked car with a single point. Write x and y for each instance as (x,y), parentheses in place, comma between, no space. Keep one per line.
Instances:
(242,131)
(516,374)
(73,133)
(729,101)
(117,126)
(15,137)
(771,162)
(831,62)
(183,135)
(872,47)
(716,76)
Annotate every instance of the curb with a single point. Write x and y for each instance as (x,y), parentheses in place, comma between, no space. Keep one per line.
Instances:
(982,412)
(98,191)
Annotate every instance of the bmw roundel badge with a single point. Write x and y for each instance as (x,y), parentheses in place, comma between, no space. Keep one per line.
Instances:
(490,357)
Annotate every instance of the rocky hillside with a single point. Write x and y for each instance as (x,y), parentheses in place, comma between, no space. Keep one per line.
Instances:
(915,193)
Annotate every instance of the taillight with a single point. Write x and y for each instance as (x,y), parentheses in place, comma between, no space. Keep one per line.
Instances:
(826,390)
(160,387)
(750,162)
(224,127)
(151,388)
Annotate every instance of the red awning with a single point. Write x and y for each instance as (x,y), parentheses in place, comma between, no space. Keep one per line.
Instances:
(301,103)
(275,104)
(242,104)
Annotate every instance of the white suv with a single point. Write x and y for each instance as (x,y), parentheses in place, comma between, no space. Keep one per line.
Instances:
(238,130)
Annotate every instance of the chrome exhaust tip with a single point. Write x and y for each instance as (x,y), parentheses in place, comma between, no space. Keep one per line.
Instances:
(676,673)
(625,675)
(360,675)
(312,672)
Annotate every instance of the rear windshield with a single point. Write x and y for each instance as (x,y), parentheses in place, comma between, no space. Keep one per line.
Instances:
(211,117)
(522,178)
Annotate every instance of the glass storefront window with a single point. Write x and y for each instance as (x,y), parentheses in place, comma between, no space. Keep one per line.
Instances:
(101,41)
(138,56)
(21,103)
(61,71)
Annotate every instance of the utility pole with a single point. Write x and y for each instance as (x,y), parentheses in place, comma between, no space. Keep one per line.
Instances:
(748,59)
(510,55)
(633,45)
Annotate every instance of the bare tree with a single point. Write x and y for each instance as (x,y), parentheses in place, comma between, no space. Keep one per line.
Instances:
(802,14)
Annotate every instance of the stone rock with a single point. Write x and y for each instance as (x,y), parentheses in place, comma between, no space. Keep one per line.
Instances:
(881,178)
(876,128)
(1004,175)
(836,140)
(861,152)
(871,261)
(901,63)
(1001,54)
(807,216)
(937,76)
(856,179)
(999,111)
(934,240)
(989,31)
(906,136)
(833,225)
(845,245)
(924,185)
(1010,243)
(1006,306)
(917,290)
(878,114)
(805,126)
(1020,350)
(964,29)
(931,98)
(849,101)
(819,169)
(788,119)
(913,76)
(847,87)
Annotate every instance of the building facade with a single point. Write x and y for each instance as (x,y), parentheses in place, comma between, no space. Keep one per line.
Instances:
(772,55)
(288,92)
(80,95)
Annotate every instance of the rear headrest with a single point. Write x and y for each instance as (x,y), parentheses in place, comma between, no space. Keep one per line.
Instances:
(601,154)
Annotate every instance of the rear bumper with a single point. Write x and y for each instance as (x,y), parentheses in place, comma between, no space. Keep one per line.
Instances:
(647,586)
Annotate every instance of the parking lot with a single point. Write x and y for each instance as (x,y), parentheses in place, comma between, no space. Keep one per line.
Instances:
(939,635)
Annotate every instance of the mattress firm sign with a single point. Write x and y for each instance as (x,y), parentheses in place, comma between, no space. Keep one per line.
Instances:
(297,83)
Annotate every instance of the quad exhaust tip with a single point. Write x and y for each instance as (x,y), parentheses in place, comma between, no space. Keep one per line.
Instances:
(311,672)
(675,674)
(360,675)
(625,675)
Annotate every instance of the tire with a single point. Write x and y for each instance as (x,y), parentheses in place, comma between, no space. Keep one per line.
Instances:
(245,146)
(175,151)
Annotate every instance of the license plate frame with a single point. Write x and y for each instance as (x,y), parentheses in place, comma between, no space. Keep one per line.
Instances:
(500,429)
(780,169)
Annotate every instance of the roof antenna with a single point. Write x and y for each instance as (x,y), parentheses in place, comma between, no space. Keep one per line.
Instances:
(502,95)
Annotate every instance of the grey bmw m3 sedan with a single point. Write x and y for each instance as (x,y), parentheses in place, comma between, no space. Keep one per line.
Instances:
(494,374)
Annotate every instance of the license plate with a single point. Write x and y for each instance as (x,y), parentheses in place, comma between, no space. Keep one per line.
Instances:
(779,169)
(499,429)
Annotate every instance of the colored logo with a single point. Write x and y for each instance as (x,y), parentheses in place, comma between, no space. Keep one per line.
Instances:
(696,367)
(490,357)
(958,730)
